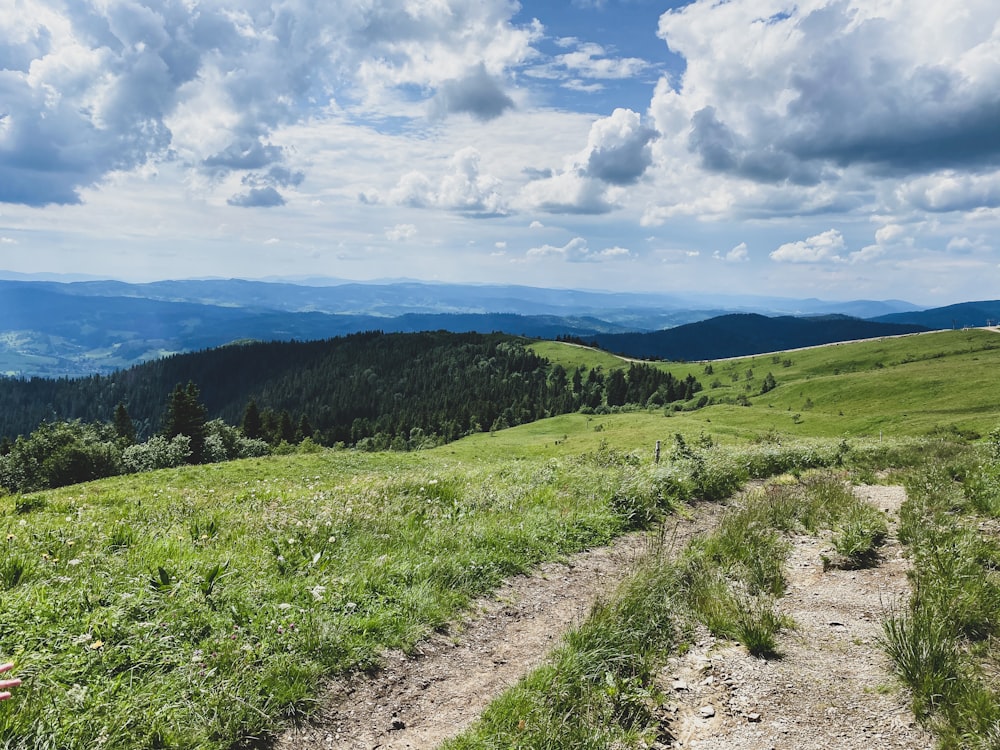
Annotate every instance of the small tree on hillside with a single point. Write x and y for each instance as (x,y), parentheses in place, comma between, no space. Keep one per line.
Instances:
(186,415)
(123,424)
(251,425)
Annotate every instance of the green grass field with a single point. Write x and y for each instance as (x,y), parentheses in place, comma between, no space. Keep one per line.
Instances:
(902,386)
(200,607)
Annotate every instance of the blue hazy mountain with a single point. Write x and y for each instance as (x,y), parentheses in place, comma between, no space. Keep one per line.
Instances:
(57,328)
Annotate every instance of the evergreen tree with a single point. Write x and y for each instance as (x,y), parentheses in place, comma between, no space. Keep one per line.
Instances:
(186,415)
(286,431)
(123,424)
(251,425)
(617,388)
(304,430)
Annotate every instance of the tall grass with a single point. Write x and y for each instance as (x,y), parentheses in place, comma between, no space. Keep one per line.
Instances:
(943,641)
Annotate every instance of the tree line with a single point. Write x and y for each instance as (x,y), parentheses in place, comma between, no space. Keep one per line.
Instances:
(371,391)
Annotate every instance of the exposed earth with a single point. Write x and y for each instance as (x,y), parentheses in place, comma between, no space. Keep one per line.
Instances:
(831,688)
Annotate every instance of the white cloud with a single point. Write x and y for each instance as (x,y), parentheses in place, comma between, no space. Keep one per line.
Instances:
(567,193)
(617,154)
(462,189)
(577,251)
(591,60)
(819,248)
(400,232)
(94,87)
(816,103)
(951,190)
(739,254)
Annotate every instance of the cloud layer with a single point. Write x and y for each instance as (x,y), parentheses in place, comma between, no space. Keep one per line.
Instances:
(829,144)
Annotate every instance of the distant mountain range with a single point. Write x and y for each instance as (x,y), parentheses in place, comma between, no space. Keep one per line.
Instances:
(59,329)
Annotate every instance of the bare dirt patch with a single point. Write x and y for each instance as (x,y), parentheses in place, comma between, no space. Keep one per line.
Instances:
(832,687)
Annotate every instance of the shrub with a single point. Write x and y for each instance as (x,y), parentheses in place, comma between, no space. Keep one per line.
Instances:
(157,453)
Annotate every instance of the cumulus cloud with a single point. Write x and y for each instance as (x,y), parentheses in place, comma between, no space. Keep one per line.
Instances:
(265,197)
(739,254)
(89,88)
(617,154)
(819,248)
(477,93)
(252,154)
(464,188)
(568,193)
(807,97)
(577,251)
(952,191)
(619,148)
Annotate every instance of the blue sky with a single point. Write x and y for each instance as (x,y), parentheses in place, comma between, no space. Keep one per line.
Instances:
(831,148)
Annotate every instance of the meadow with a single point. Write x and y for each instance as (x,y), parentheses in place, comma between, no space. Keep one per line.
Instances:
(201,607)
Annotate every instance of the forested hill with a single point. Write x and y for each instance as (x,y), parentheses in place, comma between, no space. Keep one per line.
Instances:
(386,388)
(746,334)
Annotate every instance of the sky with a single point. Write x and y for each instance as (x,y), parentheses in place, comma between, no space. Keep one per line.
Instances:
(840,149)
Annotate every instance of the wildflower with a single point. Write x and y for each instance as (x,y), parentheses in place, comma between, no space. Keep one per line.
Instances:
(317,592)
(284,606)
(96,645)
(75,561)
(10,537)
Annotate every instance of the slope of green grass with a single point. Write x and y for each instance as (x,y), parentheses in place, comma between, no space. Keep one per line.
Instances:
(194,607)
(909,385)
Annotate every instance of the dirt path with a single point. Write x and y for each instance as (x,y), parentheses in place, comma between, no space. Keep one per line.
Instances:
(419,702)
(833,686)
(832,689)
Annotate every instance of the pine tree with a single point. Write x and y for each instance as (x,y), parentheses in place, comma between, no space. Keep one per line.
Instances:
(186,415)
(251,424)
(123,424)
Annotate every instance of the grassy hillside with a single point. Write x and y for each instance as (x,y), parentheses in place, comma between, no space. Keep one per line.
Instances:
(906,386)
(199,607)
